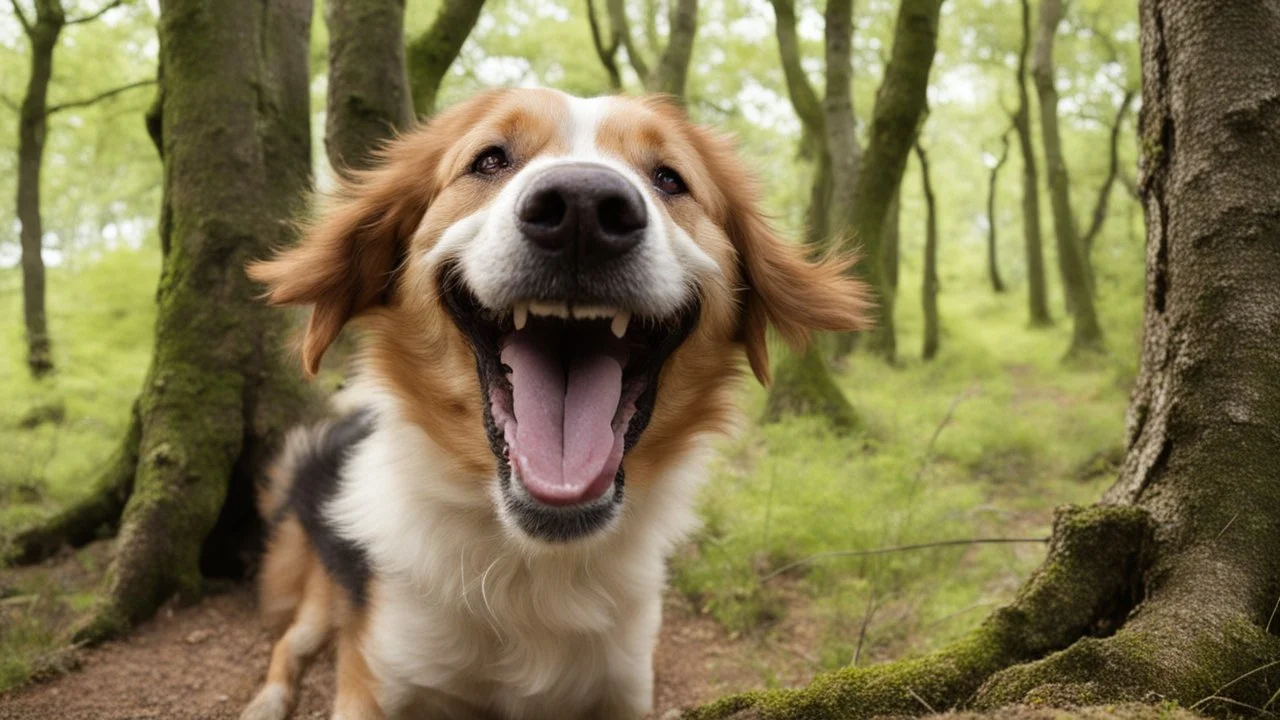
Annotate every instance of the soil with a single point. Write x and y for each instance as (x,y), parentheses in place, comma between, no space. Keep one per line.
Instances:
(205,662)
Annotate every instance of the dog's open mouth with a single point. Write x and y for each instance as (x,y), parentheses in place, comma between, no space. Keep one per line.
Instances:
(569,389)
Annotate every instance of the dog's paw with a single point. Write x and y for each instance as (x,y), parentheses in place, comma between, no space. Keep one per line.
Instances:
(272,703)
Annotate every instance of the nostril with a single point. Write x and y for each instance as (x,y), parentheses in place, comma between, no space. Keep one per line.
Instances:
(619,215)
(545,209)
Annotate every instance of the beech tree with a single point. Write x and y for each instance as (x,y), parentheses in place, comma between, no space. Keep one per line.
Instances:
(232,125)
(929,283)
(1037,286)
(431,54)
(668,71)
(1167,587)
(43,29)
(993,261)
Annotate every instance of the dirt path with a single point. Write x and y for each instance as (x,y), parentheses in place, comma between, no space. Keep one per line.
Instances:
(205,662)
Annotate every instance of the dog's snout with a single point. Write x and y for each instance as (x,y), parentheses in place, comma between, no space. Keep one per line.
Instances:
(588,214)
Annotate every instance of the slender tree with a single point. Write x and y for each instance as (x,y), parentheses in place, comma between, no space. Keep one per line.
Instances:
(666,74)
(43,28)
(232,124)
(899,106)
(1086,331)
(606,50)
(1167,588)
(1037,284)
(431,54)
(929,284)
(1102,205)
(993,262)
(369,96)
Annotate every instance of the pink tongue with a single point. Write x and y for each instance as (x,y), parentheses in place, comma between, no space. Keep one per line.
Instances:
(563,447)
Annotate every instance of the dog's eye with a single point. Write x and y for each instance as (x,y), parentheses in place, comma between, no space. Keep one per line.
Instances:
(491,161)
(669,181)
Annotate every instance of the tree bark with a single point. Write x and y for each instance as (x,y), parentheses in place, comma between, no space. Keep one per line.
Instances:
(432,53)
(42,33)
(671,70)
(1167,589)
(369,98)
(993,262)
(899,106)
(929,289)
(606,51)
(1086,333)
(891,236)
(1037,284)
(803,385)
(809,109)
(236,148)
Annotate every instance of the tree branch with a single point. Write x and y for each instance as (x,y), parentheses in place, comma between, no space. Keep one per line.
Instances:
(620,25)
(673,67)
(94,16)
(608,54)
(22,16)
(98,98)
(9,103)
(803,97)
(1104,192)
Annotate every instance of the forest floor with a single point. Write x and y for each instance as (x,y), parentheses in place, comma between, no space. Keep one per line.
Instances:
(204,662)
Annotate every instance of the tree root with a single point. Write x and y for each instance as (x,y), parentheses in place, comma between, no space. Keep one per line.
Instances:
(1085,587)
(84,520)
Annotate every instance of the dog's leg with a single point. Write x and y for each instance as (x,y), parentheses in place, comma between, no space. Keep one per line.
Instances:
(304,638)
(355,699)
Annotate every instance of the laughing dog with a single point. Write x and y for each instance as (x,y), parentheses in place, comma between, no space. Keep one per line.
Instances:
(553,294)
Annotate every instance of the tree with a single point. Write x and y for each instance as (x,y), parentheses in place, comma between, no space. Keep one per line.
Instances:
(1037,287)
(899,106)
(929,289)
(1086,333)
(993,263)
(42,31)
(1102,204)
(668,73)
(432,52)
(1166,588)
(232,125)
(803,382)
(369,96)
(607,51)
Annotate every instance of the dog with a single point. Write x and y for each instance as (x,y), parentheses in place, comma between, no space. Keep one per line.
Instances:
(554,294)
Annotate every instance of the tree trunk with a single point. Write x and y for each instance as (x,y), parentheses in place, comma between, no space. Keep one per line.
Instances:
(236,146)
(891,236)
(803,385)
(929,289)
(1167,590)
(899,106)
(369,95)
(430,55)
(1037,284)
(1100,208)
(671,70)
(809,109)
(606,51)
(993,263)
(1087,333)
(42,33)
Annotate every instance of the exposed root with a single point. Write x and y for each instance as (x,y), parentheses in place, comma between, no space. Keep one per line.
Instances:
(1085,581)
(84,520)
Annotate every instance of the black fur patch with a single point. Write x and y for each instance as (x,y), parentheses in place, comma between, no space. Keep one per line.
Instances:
(316,481)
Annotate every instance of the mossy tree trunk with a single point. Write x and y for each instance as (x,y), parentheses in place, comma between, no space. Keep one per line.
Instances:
(899,106)
(1086,333)
(234,132)
(369,97)
(803,383)
(42,33)
(929,284)
(1037,284)
(993,259)
(431,54)
(669,72)
(1167,589)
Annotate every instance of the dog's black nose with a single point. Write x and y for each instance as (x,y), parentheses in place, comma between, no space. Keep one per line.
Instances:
(588,214)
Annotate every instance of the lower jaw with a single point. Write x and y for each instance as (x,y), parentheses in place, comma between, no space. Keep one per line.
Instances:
(559,524)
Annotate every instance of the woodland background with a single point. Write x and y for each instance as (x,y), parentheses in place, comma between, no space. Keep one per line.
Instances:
(996,398)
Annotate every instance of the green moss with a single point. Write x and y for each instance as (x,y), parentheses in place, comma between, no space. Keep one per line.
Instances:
(803,385)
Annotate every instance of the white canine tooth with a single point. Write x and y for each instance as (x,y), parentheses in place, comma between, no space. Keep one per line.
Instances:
(620,323)
(554,309)
(520,314)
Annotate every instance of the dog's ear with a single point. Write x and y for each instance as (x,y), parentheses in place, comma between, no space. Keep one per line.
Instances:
(347,257)
(795,294)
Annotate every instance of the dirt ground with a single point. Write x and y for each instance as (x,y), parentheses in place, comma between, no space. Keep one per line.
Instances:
(205,662)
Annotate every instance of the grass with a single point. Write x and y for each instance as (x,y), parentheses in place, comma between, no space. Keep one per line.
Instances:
(1024,432)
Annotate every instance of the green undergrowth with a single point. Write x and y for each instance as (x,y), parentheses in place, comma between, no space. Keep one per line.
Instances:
(1022,431)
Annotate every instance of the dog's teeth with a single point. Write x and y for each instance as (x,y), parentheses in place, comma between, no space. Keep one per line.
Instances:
(520,315)
(553,309)
(620,323)
(592,312)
